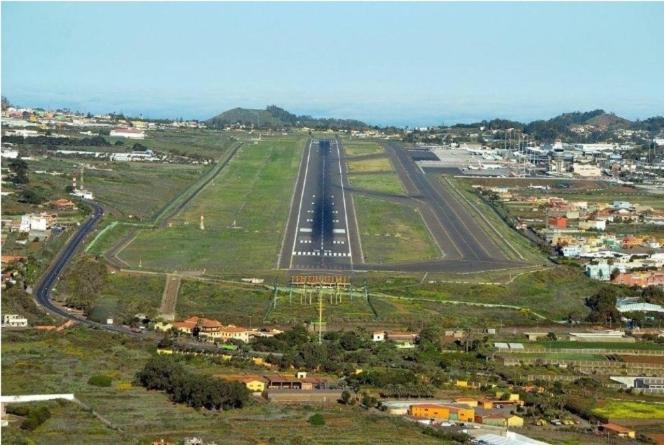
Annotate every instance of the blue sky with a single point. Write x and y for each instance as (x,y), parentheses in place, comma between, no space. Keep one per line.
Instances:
(403,64)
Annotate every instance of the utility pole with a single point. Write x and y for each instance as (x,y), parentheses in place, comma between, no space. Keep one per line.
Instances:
(320,316)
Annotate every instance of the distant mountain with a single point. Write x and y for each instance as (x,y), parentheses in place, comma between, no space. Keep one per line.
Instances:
(275,117)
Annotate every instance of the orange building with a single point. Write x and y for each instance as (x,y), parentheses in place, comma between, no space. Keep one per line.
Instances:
(429,411)
(641,279)
(442,412)
(558,222)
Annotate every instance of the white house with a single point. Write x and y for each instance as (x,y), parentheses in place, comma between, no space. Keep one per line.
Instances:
(593,224)
(32,222)
(14,321)
(130,133)
(622,205)
(378,336)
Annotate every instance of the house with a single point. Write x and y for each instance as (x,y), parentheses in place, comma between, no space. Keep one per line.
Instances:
(499,419)
(404,340)
(163,326)
(63,204)
(442,412)
(14,321)
(378,336)
(618,430)
(622,205)
(186,326)
(468,401)
(254,383)
(33,222)
(593,224)
(641,279)
(600,271)
(129,133)
(212,329)
(232,332)
(429,411)
(303,383)
(558,222)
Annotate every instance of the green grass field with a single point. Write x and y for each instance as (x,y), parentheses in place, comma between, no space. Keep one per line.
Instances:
(392,232)
(296,309)
(62,363)
(228,303)
(514,245)
(245,210)
(207,143)
(373,165)
(377,182)
(533,291)
(357,148)
(619,409)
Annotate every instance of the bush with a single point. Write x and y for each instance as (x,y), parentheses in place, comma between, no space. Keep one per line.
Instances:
(36,417)
(100,380)
(317,420)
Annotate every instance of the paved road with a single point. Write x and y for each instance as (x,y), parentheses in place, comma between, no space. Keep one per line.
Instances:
(318,232)
(43,288)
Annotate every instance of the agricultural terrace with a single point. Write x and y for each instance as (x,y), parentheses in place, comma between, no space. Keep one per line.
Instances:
(245,210)
(68,359)
(392,232)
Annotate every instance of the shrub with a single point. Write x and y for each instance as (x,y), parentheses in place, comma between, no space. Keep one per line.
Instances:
(100,380)
(317,420)
(36,417)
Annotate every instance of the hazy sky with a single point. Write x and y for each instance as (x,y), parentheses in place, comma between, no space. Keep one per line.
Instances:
(401,64)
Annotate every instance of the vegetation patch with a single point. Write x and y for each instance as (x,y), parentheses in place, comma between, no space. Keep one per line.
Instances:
(392,232)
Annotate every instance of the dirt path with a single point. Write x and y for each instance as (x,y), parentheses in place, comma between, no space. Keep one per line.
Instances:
(170,297)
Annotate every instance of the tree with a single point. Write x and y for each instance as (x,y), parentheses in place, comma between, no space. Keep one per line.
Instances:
(317,420)
(345,397)
(84,281)
(603,306)
(20,169)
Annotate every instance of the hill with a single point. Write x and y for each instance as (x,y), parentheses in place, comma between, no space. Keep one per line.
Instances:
(564,125)
(275,117)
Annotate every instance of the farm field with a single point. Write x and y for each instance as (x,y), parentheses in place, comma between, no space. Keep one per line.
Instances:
(355,148)
(63,362)
(245,210)
(392,232)
(377,182)
(557,356)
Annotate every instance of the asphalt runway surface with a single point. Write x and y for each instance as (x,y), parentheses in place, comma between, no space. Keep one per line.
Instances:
(318,235)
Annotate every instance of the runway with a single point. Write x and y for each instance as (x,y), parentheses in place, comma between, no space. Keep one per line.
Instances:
(318,231)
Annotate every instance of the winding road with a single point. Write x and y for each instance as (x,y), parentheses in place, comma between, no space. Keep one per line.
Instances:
(44,286)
